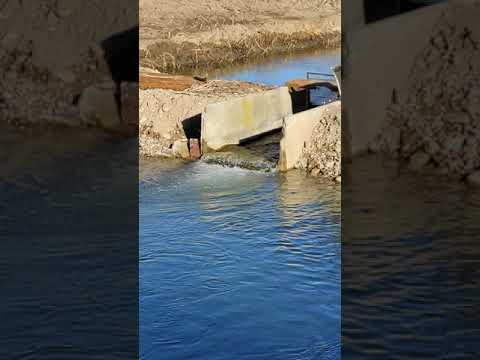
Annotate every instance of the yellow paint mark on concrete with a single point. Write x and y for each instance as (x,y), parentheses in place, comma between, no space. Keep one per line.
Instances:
(247,113)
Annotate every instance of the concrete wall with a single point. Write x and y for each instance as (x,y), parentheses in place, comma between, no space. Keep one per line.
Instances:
(230,122)
(353,15)
(297,133)
(377,59)
(337,71)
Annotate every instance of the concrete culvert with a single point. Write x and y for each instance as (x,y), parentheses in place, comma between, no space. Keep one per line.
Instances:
(121,54)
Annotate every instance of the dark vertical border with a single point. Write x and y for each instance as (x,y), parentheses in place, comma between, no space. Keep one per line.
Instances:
(410,229)
(68,184)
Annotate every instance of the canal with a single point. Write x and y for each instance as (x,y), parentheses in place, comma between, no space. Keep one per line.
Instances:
(237,263)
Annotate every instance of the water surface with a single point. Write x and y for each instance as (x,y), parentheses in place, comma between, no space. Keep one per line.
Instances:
(278,71)
(237,264)
(410,257)
(69,256)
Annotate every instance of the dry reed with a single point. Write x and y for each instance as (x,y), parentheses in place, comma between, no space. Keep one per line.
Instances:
(171,57)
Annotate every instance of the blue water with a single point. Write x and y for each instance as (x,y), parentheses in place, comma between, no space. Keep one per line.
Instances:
(237,264)
(278,71)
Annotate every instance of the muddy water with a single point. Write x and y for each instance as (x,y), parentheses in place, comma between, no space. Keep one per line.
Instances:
(237,264)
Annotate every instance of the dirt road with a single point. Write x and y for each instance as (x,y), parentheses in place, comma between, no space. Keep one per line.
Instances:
(181,36)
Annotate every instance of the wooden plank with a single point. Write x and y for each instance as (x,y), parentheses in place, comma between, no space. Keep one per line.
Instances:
(165,81)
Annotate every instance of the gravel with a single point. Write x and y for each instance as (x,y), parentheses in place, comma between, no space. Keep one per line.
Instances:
(438,123)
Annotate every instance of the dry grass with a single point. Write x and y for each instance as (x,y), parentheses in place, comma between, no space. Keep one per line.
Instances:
(177,36)
(189,57)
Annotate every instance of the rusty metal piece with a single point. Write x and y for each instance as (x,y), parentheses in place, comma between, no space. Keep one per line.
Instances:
(151,80)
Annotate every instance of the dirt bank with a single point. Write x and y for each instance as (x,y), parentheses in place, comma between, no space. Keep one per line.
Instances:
(322,155)
(184,36)
(434,126)
(50,51)
(167,116)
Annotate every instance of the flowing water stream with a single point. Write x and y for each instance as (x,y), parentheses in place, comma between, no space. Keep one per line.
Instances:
(238,263)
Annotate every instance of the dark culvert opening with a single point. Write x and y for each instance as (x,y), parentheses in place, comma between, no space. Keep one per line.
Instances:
(192,127)
(313,96)
(121,54)
(266,145)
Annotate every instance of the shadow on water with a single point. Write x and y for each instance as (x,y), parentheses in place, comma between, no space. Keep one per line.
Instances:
(409,250)
(230,257)
(68,264)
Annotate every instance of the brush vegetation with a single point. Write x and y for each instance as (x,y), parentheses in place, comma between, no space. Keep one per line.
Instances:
(183,36)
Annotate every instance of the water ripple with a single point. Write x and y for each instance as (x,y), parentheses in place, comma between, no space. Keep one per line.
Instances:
(228,257)
(410,263)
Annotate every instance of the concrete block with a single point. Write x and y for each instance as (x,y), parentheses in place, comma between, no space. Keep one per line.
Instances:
(297,134)
(98,106)
(337,70)
(230,122)
(180,149)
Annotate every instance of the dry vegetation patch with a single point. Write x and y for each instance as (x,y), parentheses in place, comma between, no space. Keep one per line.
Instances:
(183,36)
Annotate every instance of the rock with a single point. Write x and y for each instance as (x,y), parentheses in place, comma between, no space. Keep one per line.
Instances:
(180,149)
(98,106)
(195,152)
(315,135)
(474,178)
(97,51)
(66,75)
(150,147)
(64,9)
(10,41)
(419,160)
(392,139)
(52,20)
(439,107)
